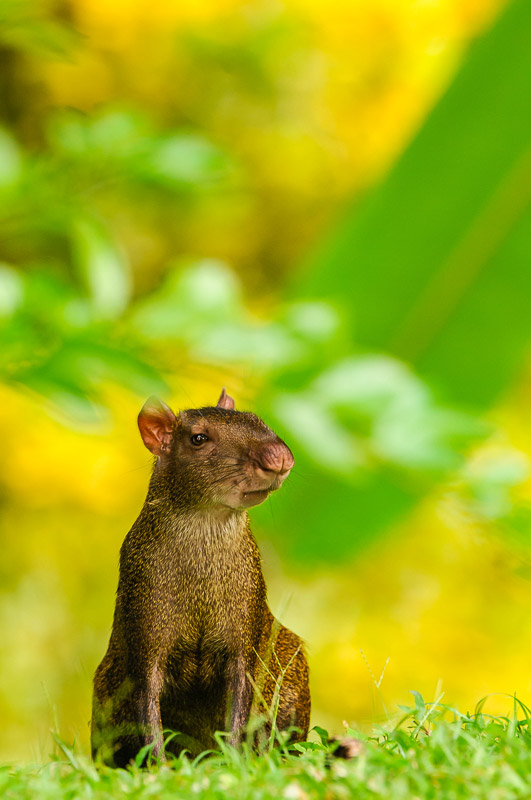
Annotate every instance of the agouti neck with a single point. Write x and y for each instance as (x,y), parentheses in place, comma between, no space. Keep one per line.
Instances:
(175,518)
(178,512)
(207,534)
(209,523)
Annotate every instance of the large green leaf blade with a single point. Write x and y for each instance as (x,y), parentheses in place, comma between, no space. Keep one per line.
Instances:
(435,263)
(432,268)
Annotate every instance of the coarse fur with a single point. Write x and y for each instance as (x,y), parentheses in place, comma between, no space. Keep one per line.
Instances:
(194,647)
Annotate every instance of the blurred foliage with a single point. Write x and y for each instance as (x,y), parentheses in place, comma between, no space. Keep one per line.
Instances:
(163,167)
(432,269)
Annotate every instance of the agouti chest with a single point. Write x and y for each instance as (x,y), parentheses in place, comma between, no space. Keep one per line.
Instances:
(213,584)
(204,584)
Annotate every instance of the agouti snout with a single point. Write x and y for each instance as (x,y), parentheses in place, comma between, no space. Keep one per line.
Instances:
(194,647)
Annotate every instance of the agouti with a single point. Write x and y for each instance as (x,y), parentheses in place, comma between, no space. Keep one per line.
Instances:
(194,647)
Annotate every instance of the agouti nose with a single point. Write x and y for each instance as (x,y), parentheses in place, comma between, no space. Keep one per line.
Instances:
(275,458)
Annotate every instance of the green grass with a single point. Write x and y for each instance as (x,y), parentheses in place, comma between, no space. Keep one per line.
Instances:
(433,752)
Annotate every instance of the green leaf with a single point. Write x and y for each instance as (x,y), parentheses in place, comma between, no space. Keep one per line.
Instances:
(25,28)
(319,434)
(190,302)
(11,290)
(420,705)
(322,734)
(103,268)
(186,158)
(10,160)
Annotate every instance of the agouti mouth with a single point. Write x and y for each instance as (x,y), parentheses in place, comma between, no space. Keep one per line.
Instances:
(257,492)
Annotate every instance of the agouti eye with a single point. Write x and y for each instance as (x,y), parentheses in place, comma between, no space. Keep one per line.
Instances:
(199,438)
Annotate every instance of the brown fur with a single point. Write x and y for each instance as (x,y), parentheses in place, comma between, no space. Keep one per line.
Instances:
(194,647)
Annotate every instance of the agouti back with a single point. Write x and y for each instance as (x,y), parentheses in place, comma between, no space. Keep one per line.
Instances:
(194,647)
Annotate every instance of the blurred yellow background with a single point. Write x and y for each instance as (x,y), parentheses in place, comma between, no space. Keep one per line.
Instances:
(283,110)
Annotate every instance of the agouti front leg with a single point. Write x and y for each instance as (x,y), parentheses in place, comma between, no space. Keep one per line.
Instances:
(147,707)
(135,721)
(240,695)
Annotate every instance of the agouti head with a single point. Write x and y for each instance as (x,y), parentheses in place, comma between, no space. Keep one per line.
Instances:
(215,457)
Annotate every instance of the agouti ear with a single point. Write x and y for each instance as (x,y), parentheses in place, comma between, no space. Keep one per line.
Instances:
(225,401)
(156,422)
